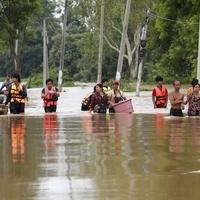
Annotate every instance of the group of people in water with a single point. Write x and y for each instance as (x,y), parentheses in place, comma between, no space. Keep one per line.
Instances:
(177,99)
(16,95)
(103,98)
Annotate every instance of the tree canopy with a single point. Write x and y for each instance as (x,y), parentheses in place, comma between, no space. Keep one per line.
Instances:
(172,40)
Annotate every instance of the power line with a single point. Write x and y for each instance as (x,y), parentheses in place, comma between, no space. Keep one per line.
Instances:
(172,20)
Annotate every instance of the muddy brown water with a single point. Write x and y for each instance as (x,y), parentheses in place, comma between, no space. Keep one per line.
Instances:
(99,157)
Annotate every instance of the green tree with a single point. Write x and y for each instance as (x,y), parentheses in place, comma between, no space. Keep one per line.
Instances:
(14,18)
(173,43)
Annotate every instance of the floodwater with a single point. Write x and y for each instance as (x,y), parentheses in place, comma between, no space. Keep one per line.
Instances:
(79,156)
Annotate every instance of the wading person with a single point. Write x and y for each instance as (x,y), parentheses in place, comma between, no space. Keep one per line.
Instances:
(106,88)
(194,82)
(50,96)
(176,99)
(115,96)
(159,94)
(4,88)
(194,101)
(99,100)
(16,95)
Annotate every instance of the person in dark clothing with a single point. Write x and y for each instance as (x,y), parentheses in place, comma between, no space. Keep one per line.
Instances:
(16,95)
(176,99)
(6,84)
(99,101)
(50,96)
(4,89)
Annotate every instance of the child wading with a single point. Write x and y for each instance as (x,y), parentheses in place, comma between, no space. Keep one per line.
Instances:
(176,99)
(16,95)
(159,94)
(50,96)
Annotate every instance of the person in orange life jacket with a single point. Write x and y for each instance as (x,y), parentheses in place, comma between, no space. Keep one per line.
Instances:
(176,99)
(16,95)
(50,96)
(115,95)
(159,94)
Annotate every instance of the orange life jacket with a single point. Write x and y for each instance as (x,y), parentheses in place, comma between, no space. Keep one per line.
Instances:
(161,95)
(49,99)
(15,96)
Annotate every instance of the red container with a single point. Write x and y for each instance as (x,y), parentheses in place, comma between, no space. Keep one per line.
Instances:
(124,106)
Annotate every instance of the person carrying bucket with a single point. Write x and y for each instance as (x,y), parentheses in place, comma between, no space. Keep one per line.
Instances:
(159,94)
(115,95)
(50,96)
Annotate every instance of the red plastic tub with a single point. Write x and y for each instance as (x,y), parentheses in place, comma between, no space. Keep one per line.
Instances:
(124,106)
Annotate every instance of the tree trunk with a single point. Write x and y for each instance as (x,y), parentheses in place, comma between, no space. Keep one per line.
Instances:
(13,55)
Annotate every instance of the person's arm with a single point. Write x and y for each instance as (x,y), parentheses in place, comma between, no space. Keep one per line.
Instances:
(23,91)
(174,102)
(123,96)
(166,98)
(43,96)
(154,98)
(57,92)
(2,86)
(110,99)
(93,102)
(187,100)
(8,99)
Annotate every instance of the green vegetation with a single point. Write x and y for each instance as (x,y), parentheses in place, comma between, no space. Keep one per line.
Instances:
(171,45)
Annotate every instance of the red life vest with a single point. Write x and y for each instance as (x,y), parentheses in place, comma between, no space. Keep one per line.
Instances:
(161,96)
(49,99)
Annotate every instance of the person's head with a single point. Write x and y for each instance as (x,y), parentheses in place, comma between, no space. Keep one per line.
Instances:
(104,82)
(49,83)
(159,80)
(15,78)
(194,81)
(196,88)
(99,87)
(177,85)
(116,84)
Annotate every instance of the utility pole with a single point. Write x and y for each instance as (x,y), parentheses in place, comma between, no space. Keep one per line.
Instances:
(45,54)
(16,63)
(99,78)
(142,51)
(62,56)
(123,40)
(198,63)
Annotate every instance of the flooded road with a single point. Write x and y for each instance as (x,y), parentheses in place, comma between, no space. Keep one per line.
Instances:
(78,156)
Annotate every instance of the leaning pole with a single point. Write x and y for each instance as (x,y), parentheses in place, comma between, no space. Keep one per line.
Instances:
(99,77)
(198,62)
(123,40)
(62,56)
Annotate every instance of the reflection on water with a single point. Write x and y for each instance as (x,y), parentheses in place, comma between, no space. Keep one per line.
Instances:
(98,157)
(17,132)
